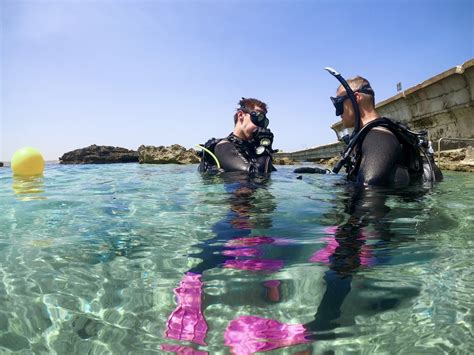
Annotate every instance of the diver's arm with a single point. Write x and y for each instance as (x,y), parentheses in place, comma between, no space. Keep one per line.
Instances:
(264,164)
(230,158)
(380,153)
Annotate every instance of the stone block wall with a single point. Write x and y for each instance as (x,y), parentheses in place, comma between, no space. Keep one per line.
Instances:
(314,154)
(442,105)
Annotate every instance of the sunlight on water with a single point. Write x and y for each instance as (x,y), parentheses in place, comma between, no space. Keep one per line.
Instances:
(131,258)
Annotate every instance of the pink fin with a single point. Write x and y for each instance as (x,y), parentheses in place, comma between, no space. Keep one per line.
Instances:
(187,321)
(250,334)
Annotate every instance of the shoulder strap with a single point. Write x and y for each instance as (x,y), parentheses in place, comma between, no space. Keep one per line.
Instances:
(208,148)
(401,131)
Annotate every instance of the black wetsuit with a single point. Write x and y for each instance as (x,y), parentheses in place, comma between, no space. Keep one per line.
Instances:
(235,154)
(383,158)
(380,157)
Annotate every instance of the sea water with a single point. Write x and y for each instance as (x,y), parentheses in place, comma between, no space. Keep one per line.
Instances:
(91,257)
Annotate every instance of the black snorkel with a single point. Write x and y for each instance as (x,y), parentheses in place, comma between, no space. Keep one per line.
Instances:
(351,95)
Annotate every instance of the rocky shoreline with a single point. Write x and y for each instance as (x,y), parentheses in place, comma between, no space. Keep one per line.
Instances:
(456,159)
(174,154)
(99,154)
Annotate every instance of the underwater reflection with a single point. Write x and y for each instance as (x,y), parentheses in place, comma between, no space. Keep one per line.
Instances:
(29,188)
(364,239)
(249,207)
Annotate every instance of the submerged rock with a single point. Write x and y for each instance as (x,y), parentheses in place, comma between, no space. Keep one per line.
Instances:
(174,154)
(99,154)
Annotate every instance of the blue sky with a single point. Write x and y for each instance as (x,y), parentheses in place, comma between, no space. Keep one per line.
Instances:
(126,73)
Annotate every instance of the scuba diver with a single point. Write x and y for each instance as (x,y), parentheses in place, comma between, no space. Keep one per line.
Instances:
(379,151)
(248,148)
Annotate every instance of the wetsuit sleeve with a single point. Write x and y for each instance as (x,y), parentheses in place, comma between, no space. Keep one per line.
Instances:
(229,157)
(264,164)
(380,152)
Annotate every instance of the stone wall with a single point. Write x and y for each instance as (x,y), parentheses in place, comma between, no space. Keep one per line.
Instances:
(442,105)
(314,154)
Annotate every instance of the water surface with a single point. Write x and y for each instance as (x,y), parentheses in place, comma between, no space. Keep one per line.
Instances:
(90,256)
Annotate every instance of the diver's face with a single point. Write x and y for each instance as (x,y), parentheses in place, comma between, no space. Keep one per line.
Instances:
(247,127)
(348,115)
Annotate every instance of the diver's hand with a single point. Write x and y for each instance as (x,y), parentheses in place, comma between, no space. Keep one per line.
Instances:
(263,140)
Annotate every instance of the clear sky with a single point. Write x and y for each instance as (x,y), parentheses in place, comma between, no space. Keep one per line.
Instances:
(126,73)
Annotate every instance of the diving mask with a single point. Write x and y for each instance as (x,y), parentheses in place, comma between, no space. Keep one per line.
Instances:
(258,118)
(338,101)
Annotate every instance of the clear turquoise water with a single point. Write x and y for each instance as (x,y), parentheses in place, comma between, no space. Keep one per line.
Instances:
(90,255)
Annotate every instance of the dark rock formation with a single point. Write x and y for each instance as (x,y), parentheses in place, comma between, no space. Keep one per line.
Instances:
(310,170)
(1,164)
(99,154)
(174,154)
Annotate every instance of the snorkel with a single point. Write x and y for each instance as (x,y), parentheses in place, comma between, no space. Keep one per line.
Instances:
(351,95)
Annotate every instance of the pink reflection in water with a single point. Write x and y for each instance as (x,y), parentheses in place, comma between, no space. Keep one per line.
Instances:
(322,255)
(255,264)
(257,240)
(242,252)
(250,334)
(249,241)
(366,255)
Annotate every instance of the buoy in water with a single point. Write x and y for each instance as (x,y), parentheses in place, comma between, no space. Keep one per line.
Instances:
(27,162)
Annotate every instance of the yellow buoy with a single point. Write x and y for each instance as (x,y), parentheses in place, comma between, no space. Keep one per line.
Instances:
(27,161)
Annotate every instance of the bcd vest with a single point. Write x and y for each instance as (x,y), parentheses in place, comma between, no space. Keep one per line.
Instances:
(416,157)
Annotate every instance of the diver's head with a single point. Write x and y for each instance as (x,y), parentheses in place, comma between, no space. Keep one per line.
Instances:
(364,96)
(250,115)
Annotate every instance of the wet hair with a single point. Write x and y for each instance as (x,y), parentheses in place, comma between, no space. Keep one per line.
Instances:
(250,104)
(358,82)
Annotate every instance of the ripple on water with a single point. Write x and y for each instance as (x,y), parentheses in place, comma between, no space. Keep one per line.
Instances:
(90,266)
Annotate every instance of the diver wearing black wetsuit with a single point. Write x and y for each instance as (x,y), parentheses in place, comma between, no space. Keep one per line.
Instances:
(380,151)
(382,158)
(235,154)
(248,148)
